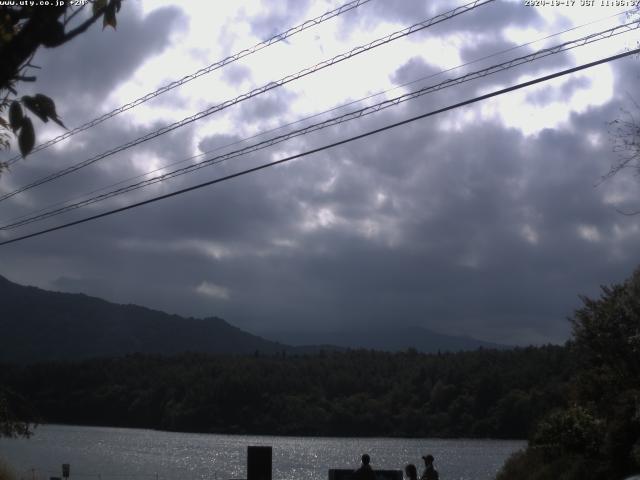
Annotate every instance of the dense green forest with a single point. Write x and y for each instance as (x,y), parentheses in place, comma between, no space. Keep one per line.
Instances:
(486,393)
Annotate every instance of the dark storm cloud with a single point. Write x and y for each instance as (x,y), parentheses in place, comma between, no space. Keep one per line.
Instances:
(415,68)
(217,142)
(268,106)
(442,219)
(485,187)
(456,218)
(451,233)
(475,229)
(167,149)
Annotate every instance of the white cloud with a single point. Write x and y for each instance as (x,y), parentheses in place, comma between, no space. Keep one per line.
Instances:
(212,290)
(589,233)
(529,234)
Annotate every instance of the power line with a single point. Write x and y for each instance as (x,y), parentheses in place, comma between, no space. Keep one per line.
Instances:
(280,127)
(315,115)
(203,71)
(356,114)
(265,88)
(332,145)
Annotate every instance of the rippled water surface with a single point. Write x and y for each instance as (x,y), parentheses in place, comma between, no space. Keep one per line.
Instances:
(97,453)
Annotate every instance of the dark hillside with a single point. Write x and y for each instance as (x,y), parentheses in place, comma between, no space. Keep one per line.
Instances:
(38,325)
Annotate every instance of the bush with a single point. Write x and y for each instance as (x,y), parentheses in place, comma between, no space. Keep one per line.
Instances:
(6,472)
(574,430)
(598,437)
(535,464)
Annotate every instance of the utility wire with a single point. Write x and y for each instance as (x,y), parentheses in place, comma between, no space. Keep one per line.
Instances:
(203,71)
(362,112)
(265,88)
(315,115)
(332,145)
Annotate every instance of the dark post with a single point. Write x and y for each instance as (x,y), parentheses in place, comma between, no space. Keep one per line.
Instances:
(65,470)
(259,463)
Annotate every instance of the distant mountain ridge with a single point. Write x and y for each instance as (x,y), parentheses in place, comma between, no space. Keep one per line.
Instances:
(41,325)
(389,339)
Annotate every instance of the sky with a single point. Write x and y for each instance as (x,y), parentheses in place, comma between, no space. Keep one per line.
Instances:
(489,220)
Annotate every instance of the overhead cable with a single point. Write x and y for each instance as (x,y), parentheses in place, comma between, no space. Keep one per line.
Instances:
(203,71)
(265,88)
(309,117)
(325,147)
(362,112)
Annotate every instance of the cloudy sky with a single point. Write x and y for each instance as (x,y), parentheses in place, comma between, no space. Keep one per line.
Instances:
(487,220)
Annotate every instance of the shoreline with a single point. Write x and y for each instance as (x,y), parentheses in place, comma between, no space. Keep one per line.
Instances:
(309,436)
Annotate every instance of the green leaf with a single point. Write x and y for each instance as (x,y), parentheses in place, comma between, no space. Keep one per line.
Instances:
(46,105)
(15,116)
(110,16)
(27,137)
(32,104)
(48,108)
(99,5)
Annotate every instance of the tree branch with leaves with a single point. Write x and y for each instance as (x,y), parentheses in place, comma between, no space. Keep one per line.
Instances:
(16,415)
(624,133)
(23,30)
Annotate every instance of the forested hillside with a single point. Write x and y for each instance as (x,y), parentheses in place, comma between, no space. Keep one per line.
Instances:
(486,393)
(39,325)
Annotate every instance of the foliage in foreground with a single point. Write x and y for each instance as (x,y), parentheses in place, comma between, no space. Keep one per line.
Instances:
(486,393)
(597,437)
(6,472)
(16,416)
(24,28)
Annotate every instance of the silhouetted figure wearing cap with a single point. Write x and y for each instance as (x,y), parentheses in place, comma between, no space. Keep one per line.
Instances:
(365,472)
(430,473)
(411,472)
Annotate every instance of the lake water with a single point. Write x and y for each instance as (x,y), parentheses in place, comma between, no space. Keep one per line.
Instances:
(97,453)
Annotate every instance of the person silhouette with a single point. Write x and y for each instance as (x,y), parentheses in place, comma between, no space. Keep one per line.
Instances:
(365,472)
(430,473)
(411,472)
